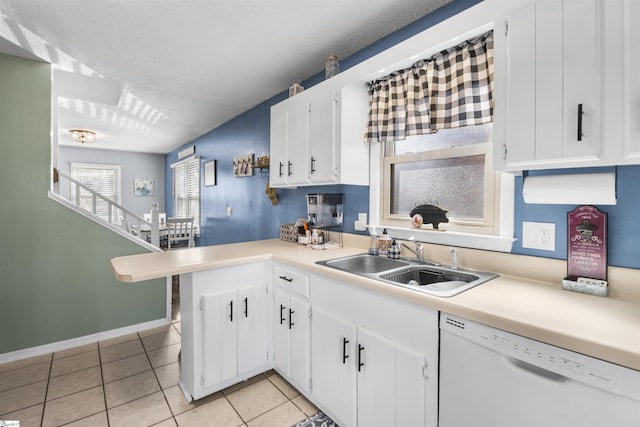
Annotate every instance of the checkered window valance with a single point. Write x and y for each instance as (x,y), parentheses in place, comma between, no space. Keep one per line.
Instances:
(451,89)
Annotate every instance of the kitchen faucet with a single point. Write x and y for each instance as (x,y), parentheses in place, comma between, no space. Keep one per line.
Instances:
(419,252)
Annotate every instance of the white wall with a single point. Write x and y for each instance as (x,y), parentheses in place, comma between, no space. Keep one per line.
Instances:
(132,165)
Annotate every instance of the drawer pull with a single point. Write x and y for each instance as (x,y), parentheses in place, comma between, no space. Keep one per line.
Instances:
(288,279)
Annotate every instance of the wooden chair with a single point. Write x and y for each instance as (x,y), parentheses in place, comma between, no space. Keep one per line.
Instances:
(180,230)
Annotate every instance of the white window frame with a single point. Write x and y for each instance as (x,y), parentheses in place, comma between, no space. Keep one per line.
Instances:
(118,180)
(491,186)
(185,162)
(501,239)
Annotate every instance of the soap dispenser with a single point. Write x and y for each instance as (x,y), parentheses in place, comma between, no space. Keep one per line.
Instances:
(394,250)
(384,242)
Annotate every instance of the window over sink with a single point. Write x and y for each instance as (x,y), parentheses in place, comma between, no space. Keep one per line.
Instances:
(446,162)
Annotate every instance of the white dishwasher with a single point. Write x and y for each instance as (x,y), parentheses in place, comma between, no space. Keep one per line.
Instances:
(492,378)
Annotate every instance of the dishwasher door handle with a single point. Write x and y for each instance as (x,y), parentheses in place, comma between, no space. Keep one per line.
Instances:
(536,370)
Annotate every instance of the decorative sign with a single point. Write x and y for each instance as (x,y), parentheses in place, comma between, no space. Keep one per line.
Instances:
(243,166)
(587,243)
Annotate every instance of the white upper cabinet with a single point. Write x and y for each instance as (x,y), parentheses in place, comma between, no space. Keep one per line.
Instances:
(631,94)
(315,140)
(553,86)
(567,93)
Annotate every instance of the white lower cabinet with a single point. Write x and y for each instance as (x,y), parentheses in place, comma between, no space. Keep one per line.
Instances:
(234,333)
(291,327)
(334,365)
(226,336)
(391,383)
(373,358)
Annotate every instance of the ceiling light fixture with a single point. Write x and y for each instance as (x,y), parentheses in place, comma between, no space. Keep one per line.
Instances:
(82,135)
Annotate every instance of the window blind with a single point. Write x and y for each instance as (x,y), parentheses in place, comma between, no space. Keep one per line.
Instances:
(186,190)
(103,179)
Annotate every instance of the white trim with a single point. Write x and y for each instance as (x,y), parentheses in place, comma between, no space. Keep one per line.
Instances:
(57,198)
(76,342)
(185,160)
(114,167)
(450,238)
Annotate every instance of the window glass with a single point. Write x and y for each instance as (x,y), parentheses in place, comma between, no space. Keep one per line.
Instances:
(455,184)
(104,180)
(186,190)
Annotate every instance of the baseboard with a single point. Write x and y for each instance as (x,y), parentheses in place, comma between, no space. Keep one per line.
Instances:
(87,339)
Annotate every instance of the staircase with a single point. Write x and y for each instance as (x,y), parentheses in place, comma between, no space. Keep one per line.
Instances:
(107,212)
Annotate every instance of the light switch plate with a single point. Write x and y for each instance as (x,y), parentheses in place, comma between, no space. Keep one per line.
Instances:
(539,235)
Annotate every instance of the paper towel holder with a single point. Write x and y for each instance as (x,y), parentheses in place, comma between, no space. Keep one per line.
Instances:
(570,189)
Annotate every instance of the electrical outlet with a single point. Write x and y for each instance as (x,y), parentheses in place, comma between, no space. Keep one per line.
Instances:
(539,235)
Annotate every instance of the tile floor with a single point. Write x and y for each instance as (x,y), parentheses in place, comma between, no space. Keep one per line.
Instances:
(132,381)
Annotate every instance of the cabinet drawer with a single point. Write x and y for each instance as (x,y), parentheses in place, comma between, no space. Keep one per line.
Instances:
(294,281)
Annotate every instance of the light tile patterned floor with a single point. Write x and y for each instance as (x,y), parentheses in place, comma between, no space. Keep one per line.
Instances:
(132,381)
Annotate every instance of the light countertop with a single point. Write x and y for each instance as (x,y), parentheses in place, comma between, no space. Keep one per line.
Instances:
(607,328)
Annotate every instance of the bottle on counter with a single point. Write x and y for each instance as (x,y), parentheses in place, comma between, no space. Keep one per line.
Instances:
(384,242)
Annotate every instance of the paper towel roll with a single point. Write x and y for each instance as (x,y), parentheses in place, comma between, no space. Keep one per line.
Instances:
(572,189)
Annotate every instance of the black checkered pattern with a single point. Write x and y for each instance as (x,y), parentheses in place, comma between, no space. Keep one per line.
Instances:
(451,89)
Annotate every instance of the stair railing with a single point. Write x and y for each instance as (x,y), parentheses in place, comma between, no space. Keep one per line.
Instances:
(117,216)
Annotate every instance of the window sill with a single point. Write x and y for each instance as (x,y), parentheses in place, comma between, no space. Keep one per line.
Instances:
(466,240)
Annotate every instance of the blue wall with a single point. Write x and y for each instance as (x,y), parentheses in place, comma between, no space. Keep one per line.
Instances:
(623,226)
(254,218)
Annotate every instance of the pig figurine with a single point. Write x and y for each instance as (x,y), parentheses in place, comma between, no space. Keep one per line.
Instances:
(430,215)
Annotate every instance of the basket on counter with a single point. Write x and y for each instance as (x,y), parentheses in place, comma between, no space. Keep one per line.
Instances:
(289,232)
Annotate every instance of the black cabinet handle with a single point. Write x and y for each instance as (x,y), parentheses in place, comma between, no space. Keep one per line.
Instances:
(313,165)
(280,171)
(282,319)
(291,318)
(231,311)
(345,356)
(286,278)
(360,363)
(246,307)
(289,169)
(580,114)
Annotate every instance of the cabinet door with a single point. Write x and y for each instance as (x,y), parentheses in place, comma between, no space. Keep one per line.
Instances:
(299,348)
(632,82)
(553,104)
(281,333)
(582,82)
(298,140)
(333,365)
(219,337)
(521,89)
(391,383)
(252,331)
(323,132)
(279,136)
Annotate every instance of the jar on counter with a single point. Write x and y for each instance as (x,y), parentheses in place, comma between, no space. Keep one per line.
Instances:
(332,67)
(384,243)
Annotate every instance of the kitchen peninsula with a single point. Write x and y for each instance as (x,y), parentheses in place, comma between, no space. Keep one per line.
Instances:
(527,299)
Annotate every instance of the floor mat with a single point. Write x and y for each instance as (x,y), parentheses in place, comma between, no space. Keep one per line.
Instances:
(318,420)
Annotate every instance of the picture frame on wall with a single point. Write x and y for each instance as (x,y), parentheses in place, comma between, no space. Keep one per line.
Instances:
(143,187)
(210,173)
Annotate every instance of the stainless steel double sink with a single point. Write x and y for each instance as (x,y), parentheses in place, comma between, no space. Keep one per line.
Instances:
(414,274)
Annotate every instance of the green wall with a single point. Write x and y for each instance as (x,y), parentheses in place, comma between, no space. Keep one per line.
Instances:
(56,281)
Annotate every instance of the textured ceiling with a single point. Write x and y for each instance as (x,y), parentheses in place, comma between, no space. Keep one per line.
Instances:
(184,67)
